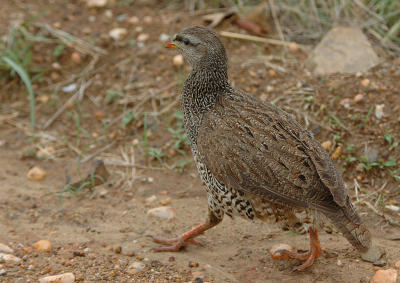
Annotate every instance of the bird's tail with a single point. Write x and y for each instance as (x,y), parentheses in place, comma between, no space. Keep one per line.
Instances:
(349,223)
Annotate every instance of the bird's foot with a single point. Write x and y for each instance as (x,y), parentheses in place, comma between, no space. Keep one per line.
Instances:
(173,244)
(308,258)
(180,242)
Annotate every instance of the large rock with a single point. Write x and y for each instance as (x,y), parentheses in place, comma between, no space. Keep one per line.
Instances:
(342,50)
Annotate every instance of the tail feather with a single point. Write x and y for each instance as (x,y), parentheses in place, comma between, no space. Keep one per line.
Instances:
(349,223)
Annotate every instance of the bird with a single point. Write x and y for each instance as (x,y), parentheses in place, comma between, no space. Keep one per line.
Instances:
(255,160)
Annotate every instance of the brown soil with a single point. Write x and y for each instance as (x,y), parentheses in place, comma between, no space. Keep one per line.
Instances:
(87,228)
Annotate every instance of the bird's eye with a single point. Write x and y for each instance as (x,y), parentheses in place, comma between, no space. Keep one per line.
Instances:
(186,41)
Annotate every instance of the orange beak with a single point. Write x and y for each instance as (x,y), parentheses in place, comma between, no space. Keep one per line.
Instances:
(170,44)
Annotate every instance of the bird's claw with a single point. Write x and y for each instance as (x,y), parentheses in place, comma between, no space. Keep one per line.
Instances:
(174,244)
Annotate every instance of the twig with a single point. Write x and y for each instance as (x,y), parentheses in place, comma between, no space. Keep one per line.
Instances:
(258,39)
(87,158)
(356,189)
(115,162)
(78,95)
(276,21)
(373,193)
(70,40)
(386,217)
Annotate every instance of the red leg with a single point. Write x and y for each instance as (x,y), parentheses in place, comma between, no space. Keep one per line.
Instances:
(176,244)
(308,257)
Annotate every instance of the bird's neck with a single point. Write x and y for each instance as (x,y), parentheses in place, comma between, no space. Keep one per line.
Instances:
(200,92)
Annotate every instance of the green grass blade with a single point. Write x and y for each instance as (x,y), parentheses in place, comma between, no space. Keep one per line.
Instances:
(25,78)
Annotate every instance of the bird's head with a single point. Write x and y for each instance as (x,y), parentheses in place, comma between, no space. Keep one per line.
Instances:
(200,46)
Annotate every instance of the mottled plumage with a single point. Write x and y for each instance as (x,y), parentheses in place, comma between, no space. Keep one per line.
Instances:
(255,160)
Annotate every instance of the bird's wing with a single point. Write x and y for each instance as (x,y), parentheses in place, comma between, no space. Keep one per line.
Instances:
(261,150)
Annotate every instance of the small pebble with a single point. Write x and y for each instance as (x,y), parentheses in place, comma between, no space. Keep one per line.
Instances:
(336,154)
(148,201)
(164,212)
(56,66)
(143,37)
(54,76)
(9,258)
(164,37)
(293,47)
(99,115)
(178,60)
(36,174)
(327,145)
(128,251)
(345,102)
(148,19)
(133,20)
(3,272)
(96,3)
(379,263)
(358,98)
(70,88)
(60,278)
(118,249)
(42,246)
(165,201)
(193,264)
(365,82)
(118,33)
(76,58)
(271,73)
(397,264)
(385,276)
(5,249)
(379,110)
(135,267)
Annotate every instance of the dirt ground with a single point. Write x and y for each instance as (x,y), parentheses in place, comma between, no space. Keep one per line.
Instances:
(98,234)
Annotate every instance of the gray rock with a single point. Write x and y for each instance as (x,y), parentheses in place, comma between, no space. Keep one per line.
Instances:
(342,50)
(373,254)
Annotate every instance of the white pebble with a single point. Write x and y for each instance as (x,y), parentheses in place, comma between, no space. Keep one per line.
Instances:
(164,212)
(118,33)
(135,267)
(143,37)
(96,3)
(70,88)
(178,60)
(60,278)
(394,208)
(379,110)
(9,258)
(5,249)
(164,37)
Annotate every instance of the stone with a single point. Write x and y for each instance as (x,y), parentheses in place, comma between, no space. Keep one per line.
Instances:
(148,201)
(342,50)
(36,174)
(3,272)
(96,3)
(358,98)
(9,258)
(5,249)
(373,254)
(42,246)
(164,212)
(60,278)
(128,251)
(76,58)
(118,33)
(385,276)
(178,60)
(143,37)
(327,145)
(135,267)
(397,264)
(379,111)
